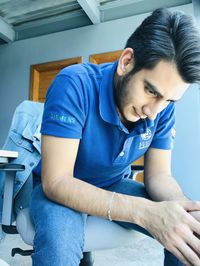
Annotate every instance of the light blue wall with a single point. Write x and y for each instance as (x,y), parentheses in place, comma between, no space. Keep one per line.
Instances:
(186,154)
(16,58)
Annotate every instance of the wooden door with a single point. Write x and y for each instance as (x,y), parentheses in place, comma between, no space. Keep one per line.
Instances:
(43,74)
(105,57)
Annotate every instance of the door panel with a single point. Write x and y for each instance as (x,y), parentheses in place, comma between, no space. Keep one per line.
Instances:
(43,74)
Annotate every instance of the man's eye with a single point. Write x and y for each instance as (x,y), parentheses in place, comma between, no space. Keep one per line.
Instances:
(151,92)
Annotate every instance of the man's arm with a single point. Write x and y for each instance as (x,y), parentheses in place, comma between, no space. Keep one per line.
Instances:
(59,184)
(158,179)
(162,187)
(161,219)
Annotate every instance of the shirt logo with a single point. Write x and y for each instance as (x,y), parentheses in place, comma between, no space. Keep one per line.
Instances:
(146,139)
(146,135)
(68,119)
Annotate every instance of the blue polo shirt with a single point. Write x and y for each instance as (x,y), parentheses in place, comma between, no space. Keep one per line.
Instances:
(80,104)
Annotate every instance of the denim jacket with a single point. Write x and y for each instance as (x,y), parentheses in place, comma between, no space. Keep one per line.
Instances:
(24,137)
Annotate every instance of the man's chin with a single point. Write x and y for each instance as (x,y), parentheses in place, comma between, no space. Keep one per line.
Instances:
(128,120)
(134,119)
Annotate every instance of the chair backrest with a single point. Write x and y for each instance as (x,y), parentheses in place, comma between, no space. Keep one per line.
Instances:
(24,137)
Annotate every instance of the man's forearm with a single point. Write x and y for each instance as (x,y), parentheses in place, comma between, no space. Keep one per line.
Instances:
(161,219)
(162,188)
(86,198)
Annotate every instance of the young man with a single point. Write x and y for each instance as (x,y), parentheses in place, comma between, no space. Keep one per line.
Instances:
(99,119)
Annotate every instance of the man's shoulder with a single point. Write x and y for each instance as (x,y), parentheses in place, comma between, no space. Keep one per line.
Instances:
(85,69)
(169,111)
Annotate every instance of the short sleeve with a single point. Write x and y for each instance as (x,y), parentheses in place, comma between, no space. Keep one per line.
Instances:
(165,131)
(64,109)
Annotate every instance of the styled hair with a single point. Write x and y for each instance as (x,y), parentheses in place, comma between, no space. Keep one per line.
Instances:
(169,36)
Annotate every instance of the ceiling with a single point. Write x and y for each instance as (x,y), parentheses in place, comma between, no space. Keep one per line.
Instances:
(22,19)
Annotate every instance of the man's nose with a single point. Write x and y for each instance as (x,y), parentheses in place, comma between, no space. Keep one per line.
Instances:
(151,110)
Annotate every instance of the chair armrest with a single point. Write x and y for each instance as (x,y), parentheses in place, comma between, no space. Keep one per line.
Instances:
(10,171)
(136,169)
(11,167)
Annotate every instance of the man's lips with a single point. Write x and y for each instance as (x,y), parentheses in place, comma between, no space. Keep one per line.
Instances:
(136,113)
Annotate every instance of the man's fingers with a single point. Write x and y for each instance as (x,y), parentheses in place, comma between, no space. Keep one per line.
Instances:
(194,243)
(196,215)
(195,226)
(189,254)
(190,238)
(181,257)
(191,205)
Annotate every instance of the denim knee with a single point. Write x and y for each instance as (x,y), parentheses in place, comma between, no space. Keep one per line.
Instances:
(59,236)
(129,187)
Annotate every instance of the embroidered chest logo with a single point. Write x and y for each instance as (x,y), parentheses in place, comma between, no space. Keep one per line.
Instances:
(145,139)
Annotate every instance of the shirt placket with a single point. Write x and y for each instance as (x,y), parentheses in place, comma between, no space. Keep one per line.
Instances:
(124,153)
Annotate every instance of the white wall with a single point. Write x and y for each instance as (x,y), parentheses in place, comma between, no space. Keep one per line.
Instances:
(16,58)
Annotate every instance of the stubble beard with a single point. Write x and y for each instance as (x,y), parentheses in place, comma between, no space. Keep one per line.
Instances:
(121,96)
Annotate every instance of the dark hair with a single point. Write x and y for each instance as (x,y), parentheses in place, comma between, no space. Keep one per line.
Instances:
(169,36)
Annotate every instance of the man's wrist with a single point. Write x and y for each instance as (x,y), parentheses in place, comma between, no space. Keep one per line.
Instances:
(129,208)
(140,207)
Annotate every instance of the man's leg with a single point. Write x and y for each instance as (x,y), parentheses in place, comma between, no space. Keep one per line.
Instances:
(130,187)
(59,232)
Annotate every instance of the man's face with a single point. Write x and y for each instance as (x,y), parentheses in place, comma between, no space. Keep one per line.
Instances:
(148,92)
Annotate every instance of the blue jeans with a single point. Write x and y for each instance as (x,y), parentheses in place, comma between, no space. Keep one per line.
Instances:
(59,236)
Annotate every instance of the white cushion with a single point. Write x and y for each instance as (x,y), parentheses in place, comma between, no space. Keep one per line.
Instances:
(3,263)
(100,233)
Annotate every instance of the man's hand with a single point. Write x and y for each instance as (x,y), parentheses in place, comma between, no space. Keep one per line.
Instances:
(196,215)
(175,224)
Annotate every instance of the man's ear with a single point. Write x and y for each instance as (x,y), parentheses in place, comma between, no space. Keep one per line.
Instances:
(126,62)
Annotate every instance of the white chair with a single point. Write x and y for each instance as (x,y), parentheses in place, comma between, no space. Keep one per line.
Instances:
(100,233)
(3,263)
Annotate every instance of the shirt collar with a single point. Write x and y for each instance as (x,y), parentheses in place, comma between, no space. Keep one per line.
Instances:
(150,123)
(107,105)
(141,127)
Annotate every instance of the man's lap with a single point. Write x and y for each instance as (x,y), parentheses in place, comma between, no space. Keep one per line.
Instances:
(125,186)
(42,209)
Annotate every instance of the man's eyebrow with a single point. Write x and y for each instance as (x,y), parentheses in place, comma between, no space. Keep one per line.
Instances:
(156,91)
